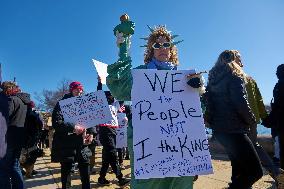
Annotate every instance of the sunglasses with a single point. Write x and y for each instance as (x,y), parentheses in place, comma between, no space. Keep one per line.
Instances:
(165,45)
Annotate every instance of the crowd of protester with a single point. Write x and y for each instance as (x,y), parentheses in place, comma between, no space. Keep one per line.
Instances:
(233,107)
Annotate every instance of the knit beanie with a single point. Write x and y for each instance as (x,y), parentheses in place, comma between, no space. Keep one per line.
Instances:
(75,85)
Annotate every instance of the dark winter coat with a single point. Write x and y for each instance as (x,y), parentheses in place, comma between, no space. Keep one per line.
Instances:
(18,109)
(33,127)
(66,144)
(228,110)
(17,105)
(278,106)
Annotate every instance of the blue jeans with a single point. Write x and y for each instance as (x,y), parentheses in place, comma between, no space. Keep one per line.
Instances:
(10,174)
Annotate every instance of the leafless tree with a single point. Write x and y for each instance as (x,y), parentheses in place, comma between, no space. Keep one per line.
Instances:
(48,98)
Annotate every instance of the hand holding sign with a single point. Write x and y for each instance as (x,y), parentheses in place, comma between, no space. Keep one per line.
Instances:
(87,110)
(99,79)
(79,129)
(101,69)
(193,75)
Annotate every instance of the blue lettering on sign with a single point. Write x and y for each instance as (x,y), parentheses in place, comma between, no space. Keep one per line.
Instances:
(171,130)
(183,167)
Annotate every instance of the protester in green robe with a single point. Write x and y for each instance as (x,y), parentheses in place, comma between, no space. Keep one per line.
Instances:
(160,54)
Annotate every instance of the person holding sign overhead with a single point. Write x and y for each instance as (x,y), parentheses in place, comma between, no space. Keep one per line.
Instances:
(107,137)
(69,143)
(160,54)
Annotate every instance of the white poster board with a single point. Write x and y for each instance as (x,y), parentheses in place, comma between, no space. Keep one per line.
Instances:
(101,69)
(88,110)
(121,131)
(169,138)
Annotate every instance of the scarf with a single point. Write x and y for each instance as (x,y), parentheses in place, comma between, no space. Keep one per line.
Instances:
(155,64)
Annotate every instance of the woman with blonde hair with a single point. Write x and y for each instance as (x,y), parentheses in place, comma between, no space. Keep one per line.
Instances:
(160,54)
(230,116)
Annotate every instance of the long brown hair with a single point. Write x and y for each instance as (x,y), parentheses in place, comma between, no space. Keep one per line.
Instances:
(227,59)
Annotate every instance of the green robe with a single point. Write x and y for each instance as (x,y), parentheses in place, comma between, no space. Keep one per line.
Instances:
(119,81)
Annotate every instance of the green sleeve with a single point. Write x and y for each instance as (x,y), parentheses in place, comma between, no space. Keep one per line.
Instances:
(119,80)
(260,104)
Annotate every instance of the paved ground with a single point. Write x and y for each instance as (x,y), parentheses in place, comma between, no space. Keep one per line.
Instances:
(49,175)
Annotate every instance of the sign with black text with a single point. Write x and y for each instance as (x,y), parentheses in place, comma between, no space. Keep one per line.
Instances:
(121,131)
(87,110)
(169,138)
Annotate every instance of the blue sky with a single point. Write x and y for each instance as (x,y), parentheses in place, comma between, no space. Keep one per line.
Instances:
(44,41)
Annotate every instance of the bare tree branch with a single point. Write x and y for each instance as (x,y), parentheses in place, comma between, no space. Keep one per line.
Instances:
(48,98)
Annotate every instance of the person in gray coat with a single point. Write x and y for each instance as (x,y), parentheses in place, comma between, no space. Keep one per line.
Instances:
(229,116)
(10,173)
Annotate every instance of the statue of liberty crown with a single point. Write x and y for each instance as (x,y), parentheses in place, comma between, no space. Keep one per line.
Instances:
(152,30)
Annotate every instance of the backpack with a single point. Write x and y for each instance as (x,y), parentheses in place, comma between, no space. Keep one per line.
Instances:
(33,126)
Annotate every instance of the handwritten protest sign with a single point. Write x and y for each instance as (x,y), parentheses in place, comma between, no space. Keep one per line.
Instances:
(121,131)
(101,69)
(169,138)
(88,110)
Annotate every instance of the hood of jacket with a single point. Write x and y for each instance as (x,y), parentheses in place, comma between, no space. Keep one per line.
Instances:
(25,97)
(217,75)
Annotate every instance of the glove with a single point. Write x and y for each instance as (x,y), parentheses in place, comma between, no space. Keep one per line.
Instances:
(194,82)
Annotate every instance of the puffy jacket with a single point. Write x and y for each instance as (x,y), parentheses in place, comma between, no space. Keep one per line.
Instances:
(16,134)
(18,109)
(228,109)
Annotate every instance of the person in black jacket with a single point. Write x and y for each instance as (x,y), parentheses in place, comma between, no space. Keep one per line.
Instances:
(10,174)
(107,137)
(69,143)
(30,151)
(229,116)
(278,108)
